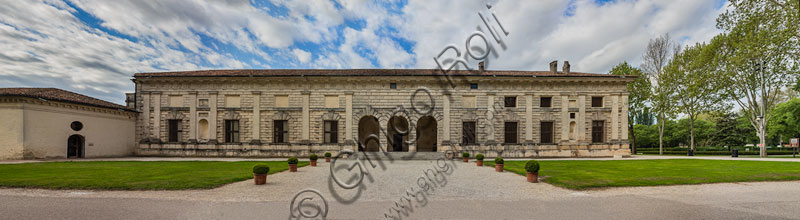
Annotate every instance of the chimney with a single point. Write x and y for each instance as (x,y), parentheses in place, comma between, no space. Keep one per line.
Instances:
(481,66)
(566,67)
(554,67)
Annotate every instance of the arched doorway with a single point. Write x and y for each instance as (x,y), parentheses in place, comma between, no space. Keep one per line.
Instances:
(426,134)
(398,134)
(75,147)
(368,125)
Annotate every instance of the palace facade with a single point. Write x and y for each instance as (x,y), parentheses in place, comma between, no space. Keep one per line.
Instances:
(279,113)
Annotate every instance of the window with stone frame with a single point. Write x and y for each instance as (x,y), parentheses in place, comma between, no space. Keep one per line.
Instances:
(510,102)
(231,131)
(510,130)
(331,132)
(468,133)
(202,103)
(174,131)
(597,101)
(546,132)
(598,131)
(281,131)
(546,102)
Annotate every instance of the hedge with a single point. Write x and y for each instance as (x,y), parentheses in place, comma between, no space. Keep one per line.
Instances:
(716,152)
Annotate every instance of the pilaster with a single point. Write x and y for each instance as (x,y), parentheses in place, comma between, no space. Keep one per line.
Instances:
(614,118)
(212,117)
(256,125)
(348,118)
(529,118)
(306,123)
(193,117)
(156,96)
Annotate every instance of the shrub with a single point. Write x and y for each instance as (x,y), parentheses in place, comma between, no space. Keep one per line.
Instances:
(532,166)
(293,160)
(260,169)
(327,154)
(498,160)
(479,157)
(313,157)
(465,155)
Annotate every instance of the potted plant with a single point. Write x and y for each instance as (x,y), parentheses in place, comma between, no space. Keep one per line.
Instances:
(313,159)
(260,173)
(533,171)
(479,159)
(327,157)
(465,157)
(293,164)
(498,164)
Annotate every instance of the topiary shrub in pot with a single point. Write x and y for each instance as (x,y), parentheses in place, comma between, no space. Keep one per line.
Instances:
(498,164)
(293,164)
(465,157)
(479,159)
(327,157)
(260,172)
(313,158)
(533,171)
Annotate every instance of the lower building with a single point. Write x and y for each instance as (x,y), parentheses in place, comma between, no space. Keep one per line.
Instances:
(42,123)
(280,113)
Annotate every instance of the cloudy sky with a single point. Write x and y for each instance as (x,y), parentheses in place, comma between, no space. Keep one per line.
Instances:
(94,47)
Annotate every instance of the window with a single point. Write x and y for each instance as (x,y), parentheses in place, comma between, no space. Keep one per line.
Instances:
(281,134)
(331,132)
(473,86)
(546,132)
(572,115)
(510,101)
(597,131)
(331,101)
(174,131)
(175,101)
(393,85)
(76,125)
(468,133)
(468,101)
(597,101)
(233,101)
(231,131)
(546,102)
(203,103)
(282,101)
(511,132)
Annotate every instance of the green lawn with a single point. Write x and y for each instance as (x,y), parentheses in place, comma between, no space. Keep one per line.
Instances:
(131,175)
(583,174)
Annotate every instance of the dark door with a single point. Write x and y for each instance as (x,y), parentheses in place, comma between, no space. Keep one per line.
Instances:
(397,143)
(75,146)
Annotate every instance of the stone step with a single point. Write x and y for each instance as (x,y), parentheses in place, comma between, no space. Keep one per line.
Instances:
(404,155)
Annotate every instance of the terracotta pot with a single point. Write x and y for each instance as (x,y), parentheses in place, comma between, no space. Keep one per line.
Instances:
(260,179)
(313,163)
(292,167)
(466,160)
(533,177)
(480,163)
(327,160)
(498,167)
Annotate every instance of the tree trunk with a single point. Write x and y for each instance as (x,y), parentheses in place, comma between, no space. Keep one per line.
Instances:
(633,139)
(691,133)
(661,138)
(762,140)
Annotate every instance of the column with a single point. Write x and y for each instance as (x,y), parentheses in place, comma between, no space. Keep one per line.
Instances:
(348,118)
(529,118)
(564,117)
(157,115)
(256,124)
(306,112)
(146,130)
(212,117)
(490,115)
(446,128)
(614,118)
(193,117)
(581,118)
(624,115)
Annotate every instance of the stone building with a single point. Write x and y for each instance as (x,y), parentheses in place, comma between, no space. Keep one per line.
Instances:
(42,123)
(278,113)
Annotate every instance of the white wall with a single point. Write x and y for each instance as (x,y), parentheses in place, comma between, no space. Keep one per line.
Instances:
(11,137)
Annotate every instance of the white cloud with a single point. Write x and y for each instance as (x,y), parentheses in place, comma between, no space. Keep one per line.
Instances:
(302,55)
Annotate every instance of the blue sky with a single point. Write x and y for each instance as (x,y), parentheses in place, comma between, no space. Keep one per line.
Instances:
(93,47)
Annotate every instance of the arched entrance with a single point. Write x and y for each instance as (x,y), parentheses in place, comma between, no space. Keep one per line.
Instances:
(426,134)
(368,125)
(75,147)
(398,134)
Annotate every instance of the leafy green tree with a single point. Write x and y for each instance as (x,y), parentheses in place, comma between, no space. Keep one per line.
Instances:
(758,56)
(696,89)
(638,93)
(655,57)
(644,117)
(786,121)
(727,131)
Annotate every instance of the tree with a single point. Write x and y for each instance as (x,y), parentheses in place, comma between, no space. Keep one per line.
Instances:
(758,56)
(786,123)
(654,59)
(695,87)
(727,133)
(644,117)
(638,93)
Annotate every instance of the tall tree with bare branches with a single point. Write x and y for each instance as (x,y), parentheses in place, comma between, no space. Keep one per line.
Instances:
(655,58)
